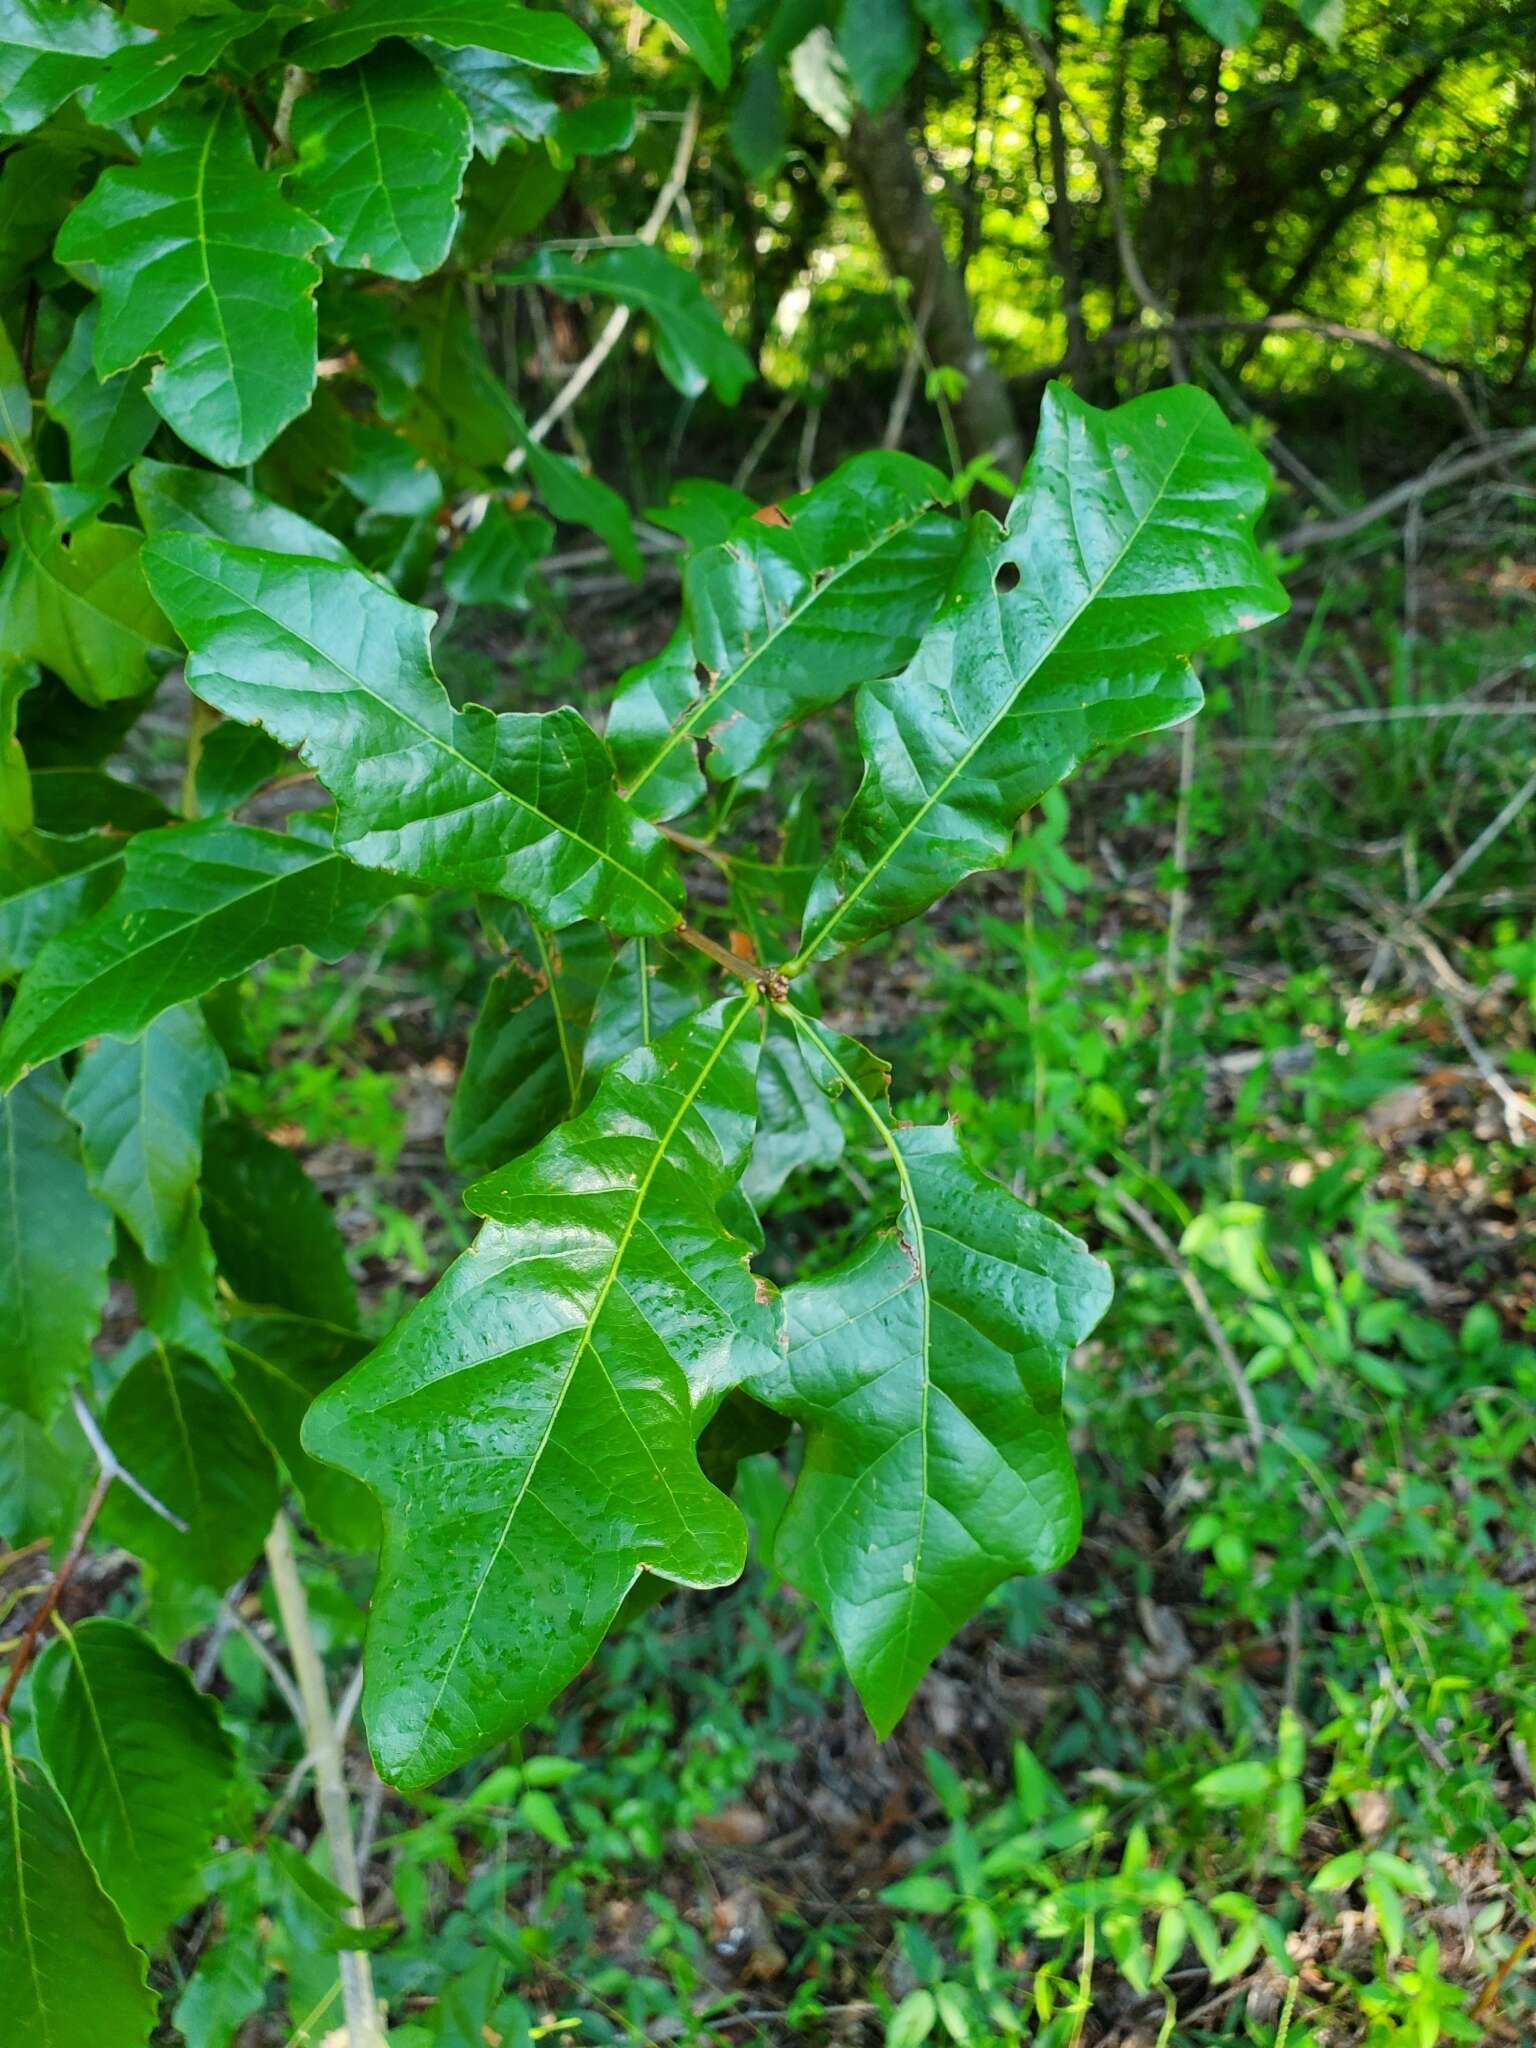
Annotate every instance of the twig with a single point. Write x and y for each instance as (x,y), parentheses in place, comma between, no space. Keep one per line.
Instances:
(1437,477)
(1109,179)
(1479,846)
(1231,1365)
(268,1658)
(911,363)
(619,318)
(1487,1997)
(1303,323)
(113,1467)
(762,441)
(1517,1108)
(356,1973)
(296,82)
(109,1468)
(26,1648)
(748,970)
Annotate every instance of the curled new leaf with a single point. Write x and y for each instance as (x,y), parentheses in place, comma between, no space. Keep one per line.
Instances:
(519,804)
(1129,547)
(529,1429)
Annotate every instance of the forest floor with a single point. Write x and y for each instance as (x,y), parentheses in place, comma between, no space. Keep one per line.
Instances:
(1257,1765)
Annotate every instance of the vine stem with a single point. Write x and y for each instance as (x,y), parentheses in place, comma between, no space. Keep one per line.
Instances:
(325,1748)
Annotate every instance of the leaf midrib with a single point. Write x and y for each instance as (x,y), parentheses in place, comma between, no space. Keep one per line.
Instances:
(716,694)
(432,739)
(888,853)
(135,960)
(584,1338)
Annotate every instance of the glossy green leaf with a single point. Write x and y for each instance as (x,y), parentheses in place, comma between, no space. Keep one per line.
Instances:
(76,800)
(37,1482)
(550,1385)
(281,1363)
(55,1243)
(574,494)
(519,805)
(232,764)
(544,38)
(275,1240)
(47,882)
(879,41)
(15,407)
(701,511)
(139,1106)
(957,26)
(198,905)
(48,50)
(178,1299)
(523,1069)
(692,347)
(36,184)
(782,620)
(504,99)
(382,147)
(641,999)
(143,1762)
(1129,547)
(171,499)
(797,1127)
(107,423)
(147,73)
(182,1433)
(204,265)
(387,475)
(1231,22)
(492,564)
(72,1975)
(926,1373)
(598,127)
(699,24)
(73,595)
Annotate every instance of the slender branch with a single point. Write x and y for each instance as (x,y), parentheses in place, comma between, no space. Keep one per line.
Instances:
(1178,903)
(747,970)
(26,1649)
(1109,178)
(1479,846)
(109,1463)
(614,326)
(319,1728)
(1487,1998)
(1435,478)
(1411,359)
(109,1467)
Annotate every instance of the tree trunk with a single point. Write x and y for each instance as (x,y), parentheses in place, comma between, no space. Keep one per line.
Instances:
(891,187)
